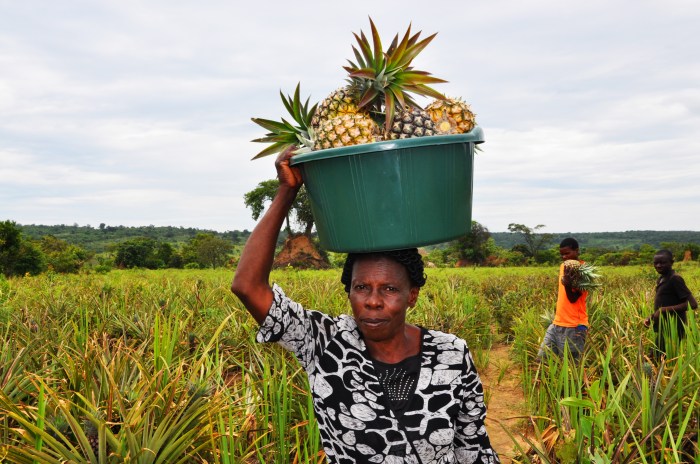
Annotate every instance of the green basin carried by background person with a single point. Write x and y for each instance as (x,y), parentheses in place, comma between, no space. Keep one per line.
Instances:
(393,194)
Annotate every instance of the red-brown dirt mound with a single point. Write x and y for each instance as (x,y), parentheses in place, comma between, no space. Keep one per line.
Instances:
(299,252)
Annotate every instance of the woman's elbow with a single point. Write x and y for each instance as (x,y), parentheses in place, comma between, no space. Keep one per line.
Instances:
(240,286)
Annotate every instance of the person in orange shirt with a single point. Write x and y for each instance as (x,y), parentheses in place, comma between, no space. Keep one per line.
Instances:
(570,324)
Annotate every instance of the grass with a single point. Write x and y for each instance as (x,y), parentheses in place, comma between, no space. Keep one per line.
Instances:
(161,366)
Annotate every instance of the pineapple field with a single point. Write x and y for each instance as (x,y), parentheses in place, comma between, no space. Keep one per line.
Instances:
(162,367)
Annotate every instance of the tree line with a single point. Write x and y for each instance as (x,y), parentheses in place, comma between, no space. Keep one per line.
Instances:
(99,239)
(32,249)
(530,246)
(22,254)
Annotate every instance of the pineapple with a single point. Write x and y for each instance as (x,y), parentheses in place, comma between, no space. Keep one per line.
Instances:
(451,116)
(285,134)
(338,122)
(345,130)
(412,122)
(379,85)
(340,102)
(583,276)
(92,435)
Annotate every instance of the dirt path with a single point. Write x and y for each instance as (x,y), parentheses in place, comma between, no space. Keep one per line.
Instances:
(505,401)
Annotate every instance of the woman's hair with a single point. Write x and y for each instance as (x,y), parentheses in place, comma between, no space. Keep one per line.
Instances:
(408,258)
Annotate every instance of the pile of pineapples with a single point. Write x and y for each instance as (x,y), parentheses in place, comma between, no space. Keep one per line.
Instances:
(375,104)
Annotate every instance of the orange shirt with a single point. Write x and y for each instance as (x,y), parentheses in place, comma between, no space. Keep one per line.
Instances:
(570,314)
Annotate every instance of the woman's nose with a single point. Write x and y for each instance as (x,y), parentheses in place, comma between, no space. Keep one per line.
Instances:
(374,299)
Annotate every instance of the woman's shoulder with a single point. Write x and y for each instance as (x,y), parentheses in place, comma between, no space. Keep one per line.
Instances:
(282,301)
(443,340)
(346,322)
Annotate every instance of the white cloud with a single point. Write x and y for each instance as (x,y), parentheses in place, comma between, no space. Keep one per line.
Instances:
(139,113)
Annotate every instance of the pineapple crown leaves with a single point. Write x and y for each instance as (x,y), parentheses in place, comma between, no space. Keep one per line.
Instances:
(585,275)
(387,77)
(283,134)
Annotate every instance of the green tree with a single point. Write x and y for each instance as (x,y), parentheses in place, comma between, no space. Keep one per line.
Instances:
(10,242)
(62,256)
(679,249)
(17,255)
(165,253)
(300,210)
(475,246)
(138,252)
(29,260)
(534,242)
(207,250)
(645,255)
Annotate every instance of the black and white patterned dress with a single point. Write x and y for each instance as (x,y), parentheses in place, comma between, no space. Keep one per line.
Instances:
(443,422)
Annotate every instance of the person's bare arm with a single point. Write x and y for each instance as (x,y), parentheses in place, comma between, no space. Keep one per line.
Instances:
(251,282)
(573,294)
(679,307)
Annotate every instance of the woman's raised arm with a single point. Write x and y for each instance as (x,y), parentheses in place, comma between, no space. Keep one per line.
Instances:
(251,282)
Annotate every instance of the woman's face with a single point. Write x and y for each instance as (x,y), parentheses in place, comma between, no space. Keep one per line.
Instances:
(380,294)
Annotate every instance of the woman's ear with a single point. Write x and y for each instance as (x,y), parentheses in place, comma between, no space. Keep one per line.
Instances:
(413,296)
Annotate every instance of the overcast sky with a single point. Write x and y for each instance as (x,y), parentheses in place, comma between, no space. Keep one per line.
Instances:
(138,112)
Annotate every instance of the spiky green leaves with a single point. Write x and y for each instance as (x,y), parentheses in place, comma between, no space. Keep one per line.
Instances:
(283,134)
(583,276)
(386,80)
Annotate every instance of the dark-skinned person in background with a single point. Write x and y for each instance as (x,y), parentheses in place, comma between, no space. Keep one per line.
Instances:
(383,390)
(671,301)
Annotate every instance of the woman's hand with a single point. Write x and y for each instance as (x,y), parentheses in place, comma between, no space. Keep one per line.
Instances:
(288,176)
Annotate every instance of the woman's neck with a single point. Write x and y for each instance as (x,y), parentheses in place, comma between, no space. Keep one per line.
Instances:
(396,349)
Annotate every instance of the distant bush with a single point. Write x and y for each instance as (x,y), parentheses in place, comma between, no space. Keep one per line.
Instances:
(102,268)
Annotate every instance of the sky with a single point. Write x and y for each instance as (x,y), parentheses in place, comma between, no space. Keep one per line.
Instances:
(139,113)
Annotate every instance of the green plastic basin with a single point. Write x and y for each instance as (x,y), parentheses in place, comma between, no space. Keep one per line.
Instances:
(391,195)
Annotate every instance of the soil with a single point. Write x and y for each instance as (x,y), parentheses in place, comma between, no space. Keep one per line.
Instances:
(505,402)
(300,252)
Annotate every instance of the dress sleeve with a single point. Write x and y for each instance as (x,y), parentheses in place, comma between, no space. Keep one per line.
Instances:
(472,444)
(305,333)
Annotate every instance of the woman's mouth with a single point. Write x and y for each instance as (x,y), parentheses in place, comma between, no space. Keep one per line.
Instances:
(372,323)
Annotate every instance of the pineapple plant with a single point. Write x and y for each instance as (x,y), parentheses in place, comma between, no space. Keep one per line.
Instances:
(451,116)
(583,276)
(284,134)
